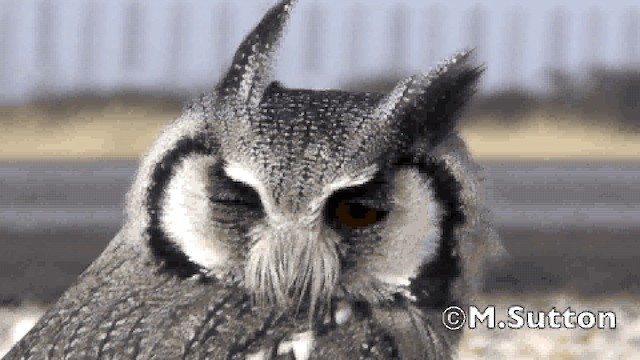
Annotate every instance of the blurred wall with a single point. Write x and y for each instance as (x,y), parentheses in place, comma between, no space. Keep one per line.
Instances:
(105,46)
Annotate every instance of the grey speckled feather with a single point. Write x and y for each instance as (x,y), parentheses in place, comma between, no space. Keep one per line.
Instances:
(273,223)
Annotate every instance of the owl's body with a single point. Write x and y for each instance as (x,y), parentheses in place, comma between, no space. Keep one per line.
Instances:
(270,222)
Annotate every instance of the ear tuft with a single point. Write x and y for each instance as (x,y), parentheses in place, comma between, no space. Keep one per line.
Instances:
(249,74)
(451,86)
(428,105)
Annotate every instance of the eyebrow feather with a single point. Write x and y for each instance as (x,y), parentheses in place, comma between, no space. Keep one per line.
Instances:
(317,203)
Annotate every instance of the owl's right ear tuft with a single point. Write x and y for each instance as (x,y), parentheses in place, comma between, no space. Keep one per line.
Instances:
(248,76)
(427,106)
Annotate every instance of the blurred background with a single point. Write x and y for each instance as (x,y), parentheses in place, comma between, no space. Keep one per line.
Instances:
(85,86)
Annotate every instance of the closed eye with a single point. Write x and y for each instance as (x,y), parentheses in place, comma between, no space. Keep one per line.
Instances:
(233,202)
(228,192)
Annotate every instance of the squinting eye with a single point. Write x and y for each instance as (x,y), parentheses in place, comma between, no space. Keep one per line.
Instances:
(355,215)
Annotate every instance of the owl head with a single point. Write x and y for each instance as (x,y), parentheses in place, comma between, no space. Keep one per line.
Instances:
(303,195)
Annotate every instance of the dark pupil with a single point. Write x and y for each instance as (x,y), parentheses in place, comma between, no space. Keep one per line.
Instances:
(355,215)
(359,211)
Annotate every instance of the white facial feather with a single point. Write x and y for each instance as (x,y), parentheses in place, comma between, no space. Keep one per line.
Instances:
(412,230)
(186,126)
(187,215)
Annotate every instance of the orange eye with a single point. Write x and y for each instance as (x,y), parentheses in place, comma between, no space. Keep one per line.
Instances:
(356,215)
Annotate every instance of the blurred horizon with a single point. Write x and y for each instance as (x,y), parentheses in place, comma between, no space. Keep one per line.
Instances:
(584,123)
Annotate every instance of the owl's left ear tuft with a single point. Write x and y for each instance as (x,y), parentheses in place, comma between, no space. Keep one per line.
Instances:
(427,106)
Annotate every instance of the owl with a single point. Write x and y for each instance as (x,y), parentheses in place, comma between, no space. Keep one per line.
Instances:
(276,223)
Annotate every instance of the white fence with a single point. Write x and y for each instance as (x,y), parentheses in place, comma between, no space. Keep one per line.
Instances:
(104,46)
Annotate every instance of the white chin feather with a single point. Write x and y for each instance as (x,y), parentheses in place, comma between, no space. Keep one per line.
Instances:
(301,346)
